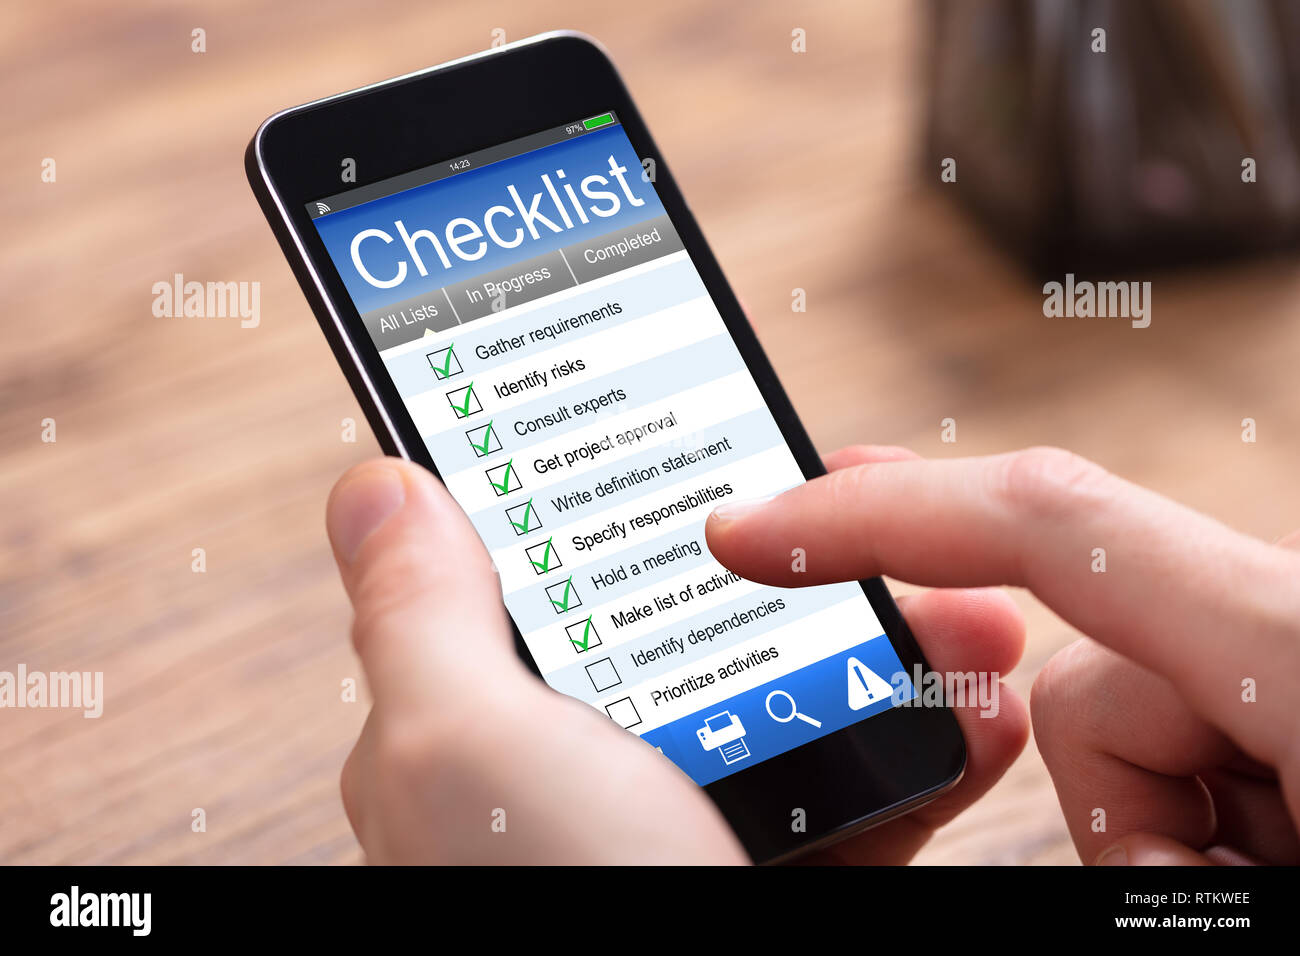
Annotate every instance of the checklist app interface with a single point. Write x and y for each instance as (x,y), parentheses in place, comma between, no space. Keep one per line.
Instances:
(584,402)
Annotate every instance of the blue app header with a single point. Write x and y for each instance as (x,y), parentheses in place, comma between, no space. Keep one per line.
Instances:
(431,236)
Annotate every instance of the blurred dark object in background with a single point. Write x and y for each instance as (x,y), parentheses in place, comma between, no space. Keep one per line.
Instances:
(1082,160)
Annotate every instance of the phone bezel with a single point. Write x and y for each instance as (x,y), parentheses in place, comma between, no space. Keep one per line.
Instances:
(857,777)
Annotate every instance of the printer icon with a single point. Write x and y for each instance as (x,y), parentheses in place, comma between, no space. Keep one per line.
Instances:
(724,733)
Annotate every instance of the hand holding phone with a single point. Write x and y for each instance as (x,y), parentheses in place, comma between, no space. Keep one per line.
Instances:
(524,305)
(452,769)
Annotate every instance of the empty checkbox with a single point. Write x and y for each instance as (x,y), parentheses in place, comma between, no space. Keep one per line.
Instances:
(603,675)
(623,712)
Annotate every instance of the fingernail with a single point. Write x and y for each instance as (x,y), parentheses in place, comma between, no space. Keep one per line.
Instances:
(738,509)
(360,505)
(1113,856)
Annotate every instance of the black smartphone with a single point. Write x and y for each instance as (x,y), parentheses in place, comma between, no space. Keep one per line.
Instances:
(523,303)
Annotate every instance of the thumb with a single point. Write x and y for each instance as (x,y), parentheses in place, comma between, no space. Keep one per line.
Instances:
(429,622)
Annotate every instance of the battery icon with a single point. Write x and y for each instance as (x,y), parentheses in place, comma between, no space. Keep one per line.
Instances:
(596,122)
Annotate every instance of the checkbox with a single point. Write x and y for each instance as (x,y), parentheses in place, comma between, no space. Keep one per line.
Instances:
(602,675)
(623,712)
(523,518)
(582,635)
(464,401)
(563,596)
(504,479)
(543,556)
(444,363)
(484,440)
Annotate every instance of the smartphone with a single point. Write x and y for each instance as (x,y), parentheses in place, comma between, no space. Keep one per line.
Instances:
(523,303)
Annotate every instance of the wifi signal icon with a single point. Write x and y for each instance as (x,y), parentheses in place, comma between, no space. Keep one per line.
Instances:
(321,209)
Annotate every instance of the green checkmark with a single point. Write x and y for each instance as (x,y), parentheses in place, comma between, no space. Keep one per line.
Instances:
(505,478)
(563,604)
(487,440)
(545,564)
(464,410)
(528,518)
(445,371)
(586,636)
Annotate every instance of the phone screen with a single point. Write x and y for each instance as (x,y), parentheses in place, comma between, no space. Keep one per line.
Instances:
(582,399)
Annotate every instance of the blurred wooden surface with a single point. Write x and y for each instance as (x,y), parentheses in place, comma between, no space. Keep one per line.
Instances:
(223,688)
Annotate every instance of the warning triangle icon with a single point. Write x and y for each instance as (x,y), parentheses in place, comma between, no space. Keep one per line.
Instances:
(866,687)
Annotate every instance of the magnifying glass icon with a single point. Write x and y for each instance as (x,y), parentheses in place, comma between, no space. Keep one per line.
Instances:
(794,710)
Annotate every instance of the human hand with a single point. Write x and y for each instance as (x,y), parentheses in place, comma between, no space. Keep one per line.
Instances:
(1150,723)
(460,730)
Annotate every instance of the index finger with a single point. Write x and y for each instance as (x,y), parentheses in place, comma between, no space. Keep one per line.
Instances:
(1161,584)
